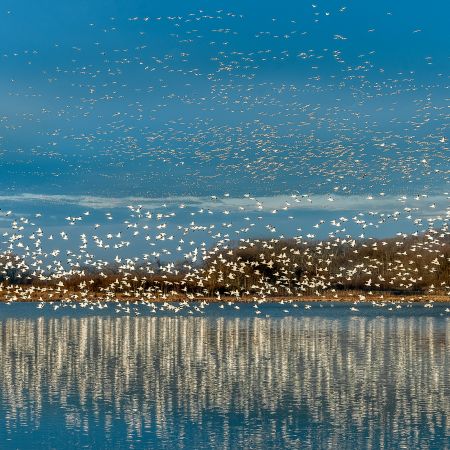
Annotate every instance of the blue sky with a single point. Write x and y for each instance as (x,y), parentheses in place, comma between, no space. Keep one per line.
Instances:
(137,100)
(105,91)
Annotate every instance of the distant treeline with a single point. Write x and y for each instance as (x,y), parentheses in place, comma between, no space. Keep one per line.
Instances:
(262,268)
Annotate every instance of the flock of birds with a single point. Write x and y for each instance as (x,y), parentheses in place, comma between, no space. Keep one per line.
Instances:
(182,257)
(285,115)
(179,104)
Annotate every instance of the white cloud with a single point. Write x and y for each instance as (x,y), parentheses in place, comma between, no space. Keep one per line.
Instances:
(320,202)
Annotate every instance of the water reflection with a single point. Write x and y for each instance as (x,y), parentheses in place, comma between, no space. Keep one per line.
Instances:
(203,382)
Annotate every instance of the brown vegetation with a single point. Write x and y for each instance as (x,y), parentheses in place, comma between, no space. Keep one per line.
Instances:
(404,266)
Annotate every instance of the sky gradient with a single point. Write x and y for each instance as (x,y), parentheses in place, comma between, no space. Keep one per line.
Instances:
(284,116)
(127,99)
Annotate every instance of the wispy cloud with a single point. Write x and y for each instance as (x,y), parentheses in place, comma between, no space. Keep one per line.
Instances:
(433,205)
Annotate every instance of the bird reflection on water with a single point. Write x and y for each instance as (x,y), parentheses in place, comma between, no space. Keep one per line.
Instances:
(218,382)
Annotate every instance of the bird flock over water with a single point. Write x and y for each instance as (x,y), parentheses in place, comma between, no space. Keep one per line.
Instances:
(213,155)
(215,257)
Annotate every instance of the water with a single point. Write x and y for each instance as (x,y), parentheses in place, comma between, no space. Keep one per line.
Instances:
(320,378)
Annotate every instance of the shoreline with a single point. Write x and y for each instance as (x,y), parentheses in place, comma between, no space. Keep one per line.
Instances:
(354,297)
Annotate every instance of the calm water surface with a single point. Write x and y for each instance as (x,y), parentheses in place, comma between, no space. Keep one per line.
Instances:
(320,378)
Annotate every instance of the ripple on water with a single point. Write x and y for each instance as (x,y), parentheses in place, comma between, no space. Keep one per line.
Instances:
(325,380)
